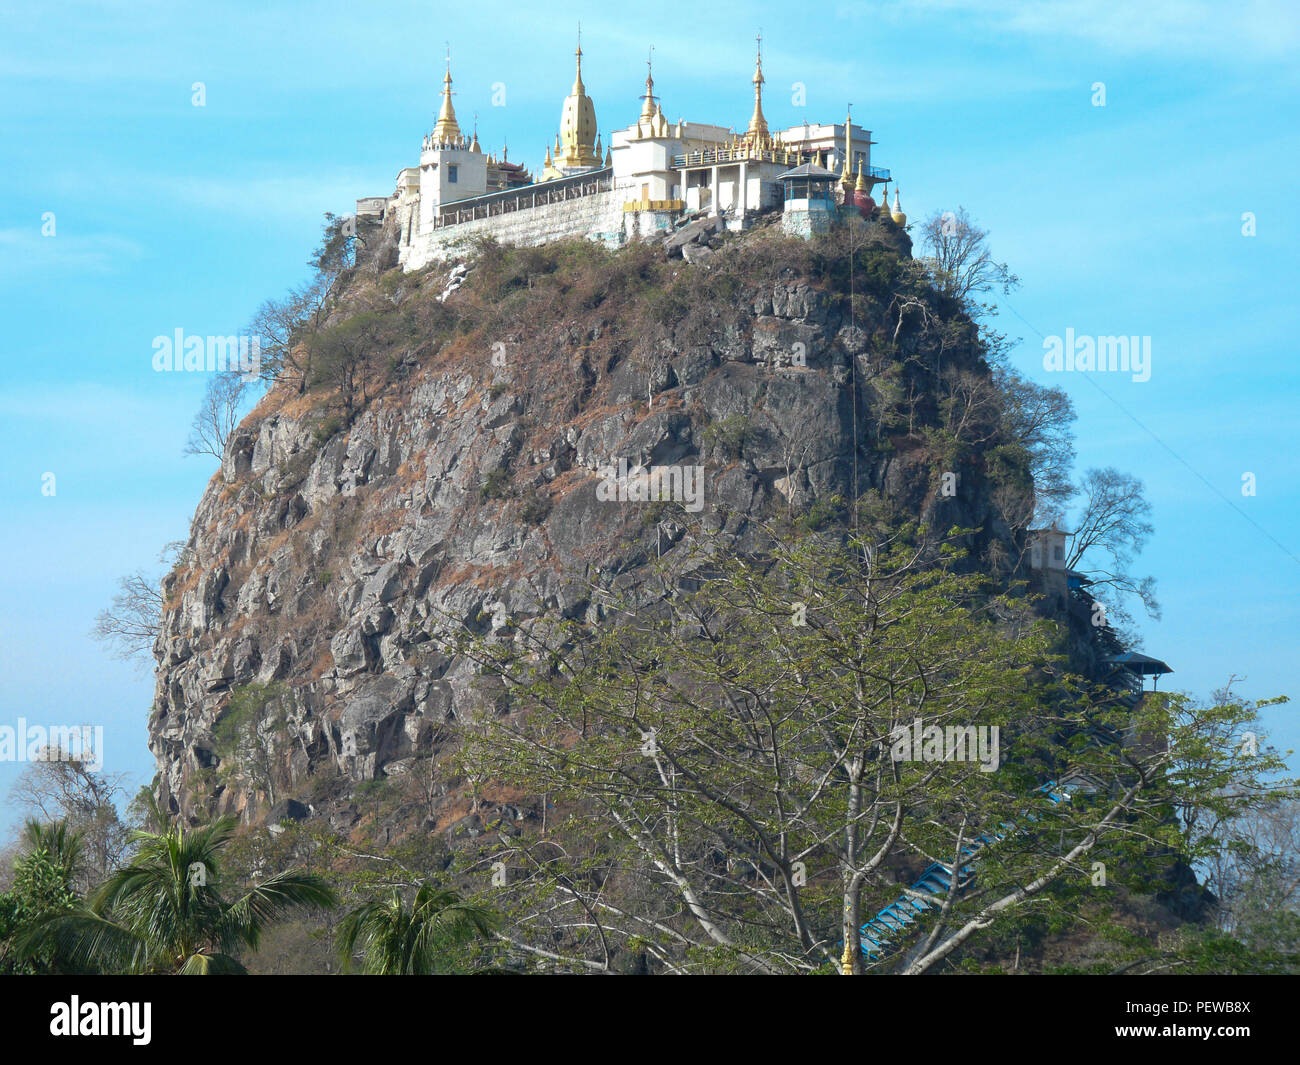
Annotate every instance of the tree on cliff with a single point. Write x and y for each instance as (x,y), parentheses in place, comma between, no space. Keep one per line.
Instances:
(129,625)
(165,913)
(1109,533)
(287,326)
(747,792)
(960,260)
(223,408)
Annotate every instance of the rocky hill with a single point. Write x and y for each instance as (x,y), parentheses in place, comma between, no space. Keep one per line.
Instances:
(439,466)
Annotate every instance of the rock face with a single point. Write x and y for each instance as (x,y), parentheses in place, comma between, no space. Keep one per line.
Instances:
(298,655)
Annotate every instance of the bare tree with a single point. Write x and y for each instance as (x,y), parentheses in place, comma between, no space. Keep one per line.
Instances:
(959,259)
(1109,533)
(130,624)
(285,326)
(221,411)
(59,787)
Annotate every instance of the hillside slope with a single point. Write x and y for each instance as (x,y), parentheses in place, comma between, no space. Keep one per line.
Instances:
(442,469)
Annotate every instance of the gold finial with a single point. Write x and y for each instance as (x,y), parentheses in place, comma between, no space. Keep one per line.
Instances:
(846,962)
(547,161)
(647,109)
(861,185)
(446,129)
(578,87)
(757,123)
(473,144)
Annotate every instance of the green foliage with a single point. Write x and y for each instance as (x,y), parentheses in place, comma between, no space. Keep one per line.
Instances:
(245,735)
(728,435)
(727,758)
(42,888)
(237,726)
(535,508)
(342,354)
(427,938)
(165,912)
(496,485)
(821,512)
(327,428)
(337,249)
(755,764)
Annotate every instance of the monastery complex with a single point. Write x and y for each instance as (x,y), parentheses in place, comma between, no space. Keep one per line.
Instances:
(651,175)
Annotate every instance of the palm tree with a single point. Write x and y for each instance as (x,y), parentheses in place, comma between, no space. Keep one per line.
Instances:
(395,941)
(62,846)
(164,913)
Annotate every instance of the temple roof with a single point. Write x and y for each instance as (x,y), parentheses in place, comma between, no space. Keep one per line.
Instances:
(810,170)
(1139,663)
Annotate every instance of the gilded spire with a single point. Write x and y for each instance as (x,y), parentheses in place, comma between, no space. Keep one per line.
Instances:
(578,88)
(757,131)
(576,145)
(446,129)
(648,108)
(861,185)
(473,145)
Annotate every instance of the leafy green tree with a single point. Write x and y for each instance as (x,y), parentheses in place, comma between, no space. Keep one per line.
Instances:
(341,355)
(728,752)
(43,887)
(425,938)
(165,912)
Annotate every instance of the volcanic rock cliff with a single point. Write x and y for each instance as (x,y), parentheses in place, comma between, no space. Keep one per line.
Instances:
(444,471)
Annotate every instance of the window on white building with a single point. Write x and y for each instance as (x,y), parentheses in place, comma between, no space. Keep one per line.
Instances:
(451,173)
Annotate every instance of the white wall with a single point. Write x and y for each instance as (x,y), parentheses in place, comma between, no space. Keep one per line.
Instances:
(595,217)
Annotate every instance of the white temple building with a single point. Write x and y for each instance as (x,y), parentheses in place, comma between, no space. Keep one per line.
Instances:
(652,174)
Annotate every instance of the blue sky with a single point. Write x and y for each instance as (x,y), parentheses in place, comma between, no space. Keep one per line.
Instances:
(1122,219)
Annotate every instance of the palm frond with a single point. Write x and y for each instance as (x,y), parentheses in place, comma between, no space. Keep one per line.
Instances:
(214,964)
(87,941)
